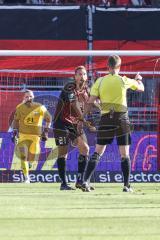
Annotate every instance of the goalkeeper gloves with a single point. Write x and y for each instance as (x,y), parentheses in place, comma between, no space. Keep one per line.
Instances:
(44,135)
(14,136)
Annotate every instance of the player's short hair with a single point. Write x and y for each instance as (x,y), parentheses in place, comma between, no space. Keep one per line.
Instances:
(79,68)
(28,91)
(114,61)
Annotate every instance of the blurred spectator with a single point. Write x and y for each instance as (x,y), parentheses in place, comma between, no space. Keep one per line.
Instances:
(69,2)
(148,2)
(108,2)
(112,3)
(14,1)
(123,2)
(52,1)
(128,2)
(137,2)
(35,2)
(155,3)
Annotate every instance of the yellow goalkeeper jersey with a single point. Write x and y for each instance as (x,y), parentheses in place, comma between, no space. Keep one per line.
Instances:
(31,118)
(111,90)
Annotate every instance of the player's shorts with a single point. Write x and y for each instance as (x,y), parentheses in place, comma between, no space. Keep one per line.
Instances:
(64,132)
(28,144)
(113,125)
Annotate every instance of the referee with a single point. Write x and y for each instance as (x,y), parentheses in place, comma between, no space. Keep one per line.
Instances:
(111,90)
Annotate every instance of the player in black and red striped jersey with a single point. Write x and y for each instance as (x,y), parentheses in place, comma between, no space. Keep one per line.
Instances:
(68,125)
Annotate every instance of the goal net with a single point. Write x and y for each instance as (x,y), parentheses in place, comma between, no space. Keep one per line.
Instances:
(46,72)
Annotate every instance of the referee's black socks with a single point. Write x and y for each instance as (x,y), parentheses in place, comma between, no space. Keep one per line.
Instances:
(61,163)
(126,168)
(92,163)
(82,162)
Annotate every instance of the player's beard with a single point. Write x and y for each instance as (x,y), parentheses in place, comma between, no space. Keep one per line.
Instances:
(29,102)
(82,84)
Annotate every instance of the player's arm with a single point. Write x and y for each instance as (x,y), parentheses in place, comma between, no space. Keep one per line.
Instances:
(69,96)
(81,117)
(140,86)
(135,84)
(15,127)
(15,124)
(92,103)
(76,108)
(48,120)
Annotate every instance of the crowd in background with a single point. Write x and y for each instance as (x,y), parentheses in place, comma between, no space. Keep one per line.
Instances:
(114,3)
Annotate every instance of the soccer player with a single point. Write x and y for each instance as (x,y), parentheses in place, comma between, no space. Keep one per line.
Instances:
(111,90)
(28,130)
(68,125)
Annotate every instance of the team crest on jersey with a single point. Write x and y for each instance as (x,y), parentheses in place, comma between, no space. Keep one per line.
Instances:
(71,95)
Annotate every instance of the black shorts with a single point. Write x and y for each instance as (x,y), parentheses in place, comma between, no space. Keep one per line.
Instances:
(64,132)
(113,125)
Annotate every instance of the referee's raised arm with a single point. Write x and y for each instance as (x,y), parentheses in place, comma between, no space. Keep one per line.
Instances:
(138,78)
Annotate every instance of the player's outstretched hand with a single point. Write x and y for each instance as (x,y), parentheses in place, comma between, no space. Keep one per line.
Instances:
(92,129)
(89,125)
(80,128)
(14,136)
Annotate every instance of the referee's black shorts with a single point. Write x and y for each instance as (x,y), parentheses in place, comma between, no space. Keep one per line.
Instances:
(113,125)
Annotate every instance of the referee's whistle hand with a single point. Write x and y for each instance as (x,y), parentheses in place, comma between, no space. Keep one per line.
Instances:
(138,77)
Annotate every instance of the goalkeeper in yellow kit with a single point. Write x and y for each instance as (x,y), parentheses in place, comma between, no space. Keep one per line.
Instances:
(28,130)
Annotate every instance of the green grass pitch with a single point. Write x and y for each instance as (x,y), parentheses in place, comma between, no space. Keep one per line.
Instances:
(43,212)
